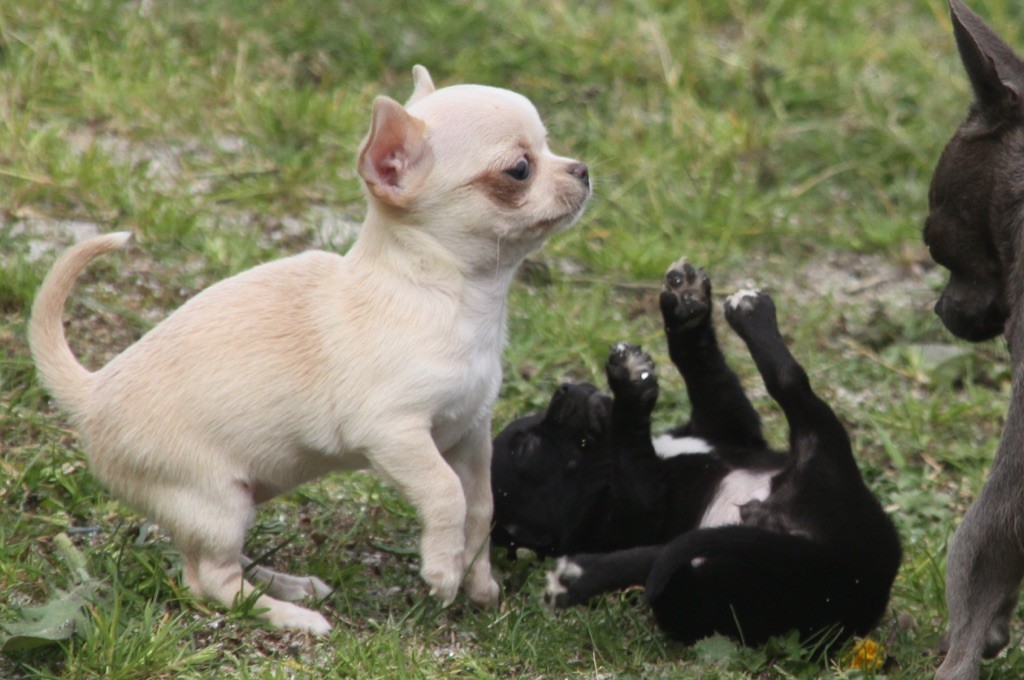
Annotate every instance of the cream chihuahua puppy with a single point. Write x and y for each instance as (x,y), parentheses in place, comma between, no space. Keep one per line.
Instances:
(388,357)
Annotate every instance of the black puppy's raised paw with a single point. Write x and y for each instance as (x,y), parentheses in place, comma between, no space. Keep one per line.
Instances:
(631,375)
(748,310)
(685,298)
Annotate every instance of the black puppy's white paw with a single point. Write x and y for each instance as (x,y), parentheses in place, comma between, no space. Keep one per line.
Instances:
(745,300)
(631,374)
(628,363)
(558,592)
(685,298)
(746,309)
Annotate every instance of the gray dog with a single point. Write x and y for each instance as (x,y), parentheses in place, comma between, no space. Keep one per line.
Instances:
(974,229)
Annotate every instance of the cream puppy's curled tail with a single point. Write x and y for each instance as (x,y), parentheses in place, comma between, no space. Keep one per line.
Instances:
(62,374)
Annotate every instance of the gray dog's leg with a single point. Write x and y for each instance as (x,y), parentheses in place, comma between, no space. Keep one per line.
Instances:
(986,556)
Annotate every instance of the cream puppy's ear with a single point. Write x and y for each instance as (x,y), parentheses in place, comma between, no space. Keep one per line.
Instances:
(422,84)
(394,159)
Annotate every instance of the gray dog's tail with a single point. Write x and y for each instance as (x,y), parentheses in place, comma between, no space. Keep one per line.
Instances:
(61,373)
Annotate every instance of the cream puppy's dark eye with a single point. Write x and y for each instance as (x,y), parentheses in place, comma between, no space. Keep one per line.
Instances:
(520,171)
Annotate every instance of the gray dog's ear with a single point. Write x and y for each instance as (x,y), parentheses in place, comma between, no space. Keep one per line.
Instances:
(995,70)
(422,84)
(394,159)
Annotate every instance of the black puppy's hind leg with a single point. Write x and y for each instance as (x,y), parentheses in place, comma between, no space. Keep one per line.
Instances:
(578,578)
(719,408)
(813,426)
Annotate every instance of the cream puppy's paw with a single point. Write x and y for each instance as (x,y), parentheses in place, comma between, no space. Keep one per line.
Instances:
(294,617)
(285,586)
(319,589)
(295,588)
(443,576)
(485,592)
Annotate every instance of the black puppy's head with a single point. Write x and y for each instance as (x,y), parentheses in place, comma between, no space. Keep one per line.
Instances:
(551,469)
(977,187)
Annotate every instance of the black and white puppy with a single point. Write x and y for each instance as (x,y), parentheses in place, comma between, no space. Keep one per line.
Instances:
(726,535)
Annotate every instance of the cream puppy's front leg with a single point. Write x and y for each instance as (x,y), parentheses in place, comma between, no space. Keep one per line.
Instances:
(412,462)
(471,460)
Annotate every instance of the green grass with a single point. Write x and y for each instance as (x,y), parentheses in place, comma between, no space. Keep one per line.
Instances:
(783,142)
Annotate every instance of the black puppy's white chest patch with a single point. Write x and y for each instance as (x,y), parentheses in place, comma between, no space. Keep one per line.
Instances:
(737,488)
(666,446)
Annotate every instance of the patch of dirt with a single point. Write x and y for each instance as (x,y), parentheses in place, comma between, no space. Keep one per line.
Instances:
(163,161)
(855,279)
(321,226)
(121,296)
(43,235)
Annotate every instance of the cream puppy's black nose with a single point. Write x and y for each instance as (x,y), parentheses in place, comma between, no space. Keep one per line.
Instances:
(580,172)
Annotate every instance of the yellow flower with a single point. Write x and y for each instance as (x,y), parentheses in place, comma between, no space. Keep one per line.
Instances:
(866,654)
